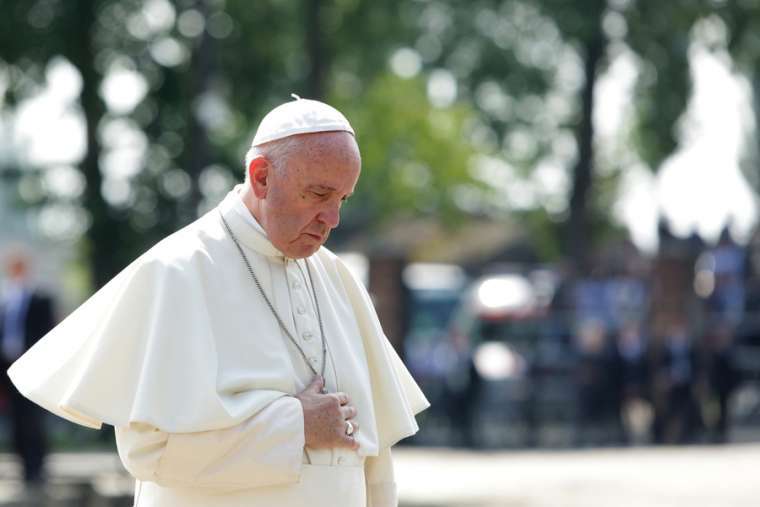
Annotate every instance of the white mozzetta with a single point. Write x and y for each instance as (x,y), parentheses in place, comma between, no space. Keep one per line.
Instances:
(180,343)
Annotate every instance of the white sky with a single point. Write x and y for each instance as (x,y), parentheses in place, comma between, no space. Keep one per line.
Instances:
(700,187)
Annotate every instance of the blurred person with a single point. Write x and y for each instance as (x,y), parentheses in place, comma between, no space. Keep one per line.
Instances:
(727,300)
(722,376)
(631,380)
(678,418)
(241,363)
(464,387)
(26,315)
(463,392)
(591,301)
(596,389)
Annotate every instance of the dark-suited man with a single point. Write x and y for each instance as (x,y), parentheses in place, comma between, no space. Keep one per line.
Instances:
(26,315)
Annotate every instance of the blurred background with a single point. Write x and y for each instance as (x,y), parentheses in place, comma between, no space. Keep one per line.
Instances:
(556,218)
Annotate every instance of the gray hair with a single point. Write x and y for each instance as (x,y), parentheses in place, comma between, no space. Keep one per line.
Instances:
(276,152)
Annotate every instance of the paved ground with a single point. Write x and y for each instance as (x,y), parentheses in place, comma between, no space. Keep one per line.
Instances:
(725,476)
(91,479)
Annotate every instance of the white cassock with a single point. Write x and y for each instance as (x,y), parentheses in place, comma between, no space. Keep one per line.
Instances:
(180,353)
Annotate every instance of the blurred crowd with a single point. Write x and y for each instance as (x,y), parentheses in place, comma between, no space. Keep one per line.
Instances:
(637,351)
(640,350)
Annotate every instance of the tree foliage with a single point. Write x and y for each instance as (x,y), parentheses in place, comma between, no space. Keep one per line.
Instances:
(659,34)
(211,70)
(523,76)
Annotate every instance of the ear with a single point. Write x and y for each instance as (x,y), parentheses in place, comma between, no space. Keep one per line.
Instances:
(259,171)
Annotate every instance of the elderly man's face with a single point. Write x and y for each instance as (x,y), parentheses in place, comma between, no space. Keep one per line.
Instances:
(303,198)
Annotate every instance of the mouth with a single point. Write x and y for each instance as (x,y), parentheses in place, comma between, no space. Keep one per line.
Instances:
(315,237)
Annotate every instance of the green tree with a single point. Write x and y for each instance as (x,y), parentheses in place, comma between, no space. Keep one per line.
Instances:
(510,58)
(583,29)
(415,159)
(742,22)
(66,29)
(660,35)
(210,70)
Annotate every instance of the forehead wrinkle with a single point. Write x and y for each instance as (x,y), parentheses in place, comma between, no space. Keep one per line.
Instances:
(330,188)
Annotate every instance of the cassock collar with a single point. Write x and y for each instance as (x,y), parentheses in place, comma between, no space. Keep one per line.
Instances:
(245,226)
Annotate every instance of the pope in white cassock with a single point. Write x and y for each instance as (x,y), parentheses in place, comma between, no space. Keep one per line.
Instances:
(240,362)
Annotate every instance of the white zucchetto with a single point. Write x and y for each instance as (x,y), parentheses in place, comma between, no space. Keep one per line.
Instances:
(300,116)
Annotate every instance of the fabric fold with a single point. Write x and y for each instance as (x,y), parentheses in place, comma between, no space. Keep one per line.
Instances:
(180,340)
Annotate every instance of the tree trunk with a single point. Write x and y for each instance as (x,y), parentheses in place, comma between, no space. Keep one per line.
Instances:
(315,50)
(198,149)
(756,111)
(577,230)
(102,234)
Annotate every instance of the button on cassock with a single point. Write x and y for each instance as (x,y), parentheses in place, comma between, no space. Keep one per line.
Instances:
(307,335)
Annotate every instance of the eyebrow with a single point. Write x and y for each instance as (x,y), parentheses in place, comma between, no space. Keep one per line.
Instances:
(327,188)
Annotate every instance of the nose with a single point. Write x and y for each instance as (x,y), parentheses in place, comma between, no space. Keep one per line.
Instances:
(330,216)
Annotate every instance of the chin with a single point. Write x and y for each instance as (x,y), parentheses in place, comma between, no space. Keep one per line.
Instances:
(303,252)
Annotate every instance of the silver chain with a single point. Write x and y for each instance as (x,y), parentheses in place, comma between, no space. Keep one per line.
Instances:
(274,312)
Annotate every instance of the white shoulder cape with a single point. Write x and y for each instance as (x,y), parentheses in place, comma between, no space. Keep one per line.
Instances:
(169,342)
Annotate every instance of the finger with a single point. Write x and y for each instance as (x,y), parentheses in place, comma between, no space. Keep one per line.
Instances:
(348,411)
(342,398)
(349,442)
